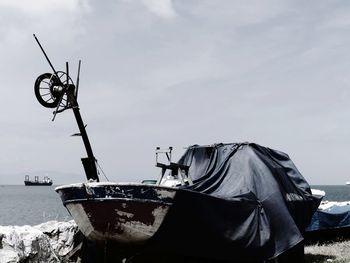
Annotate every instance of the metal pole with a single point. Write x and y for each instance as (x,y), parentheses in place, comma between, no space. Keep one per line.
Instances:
(47,58)
(89,163)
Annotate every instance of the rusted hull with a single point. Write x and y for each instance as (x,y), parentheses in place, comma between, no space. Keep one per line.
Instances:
(125,213)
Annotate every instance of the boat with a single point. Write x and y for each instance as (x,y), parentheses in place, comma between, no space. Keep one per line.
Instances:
(347,183)
(45,182)
(224,201)
(330,222)
(132,212)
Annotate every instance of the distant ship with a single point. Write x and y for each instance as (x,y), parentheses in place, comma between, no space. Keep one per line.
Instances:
(347,183)
(46,181)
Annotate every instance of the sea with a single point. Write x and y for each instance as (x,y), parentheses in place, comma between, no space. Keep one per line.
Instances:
(32,205)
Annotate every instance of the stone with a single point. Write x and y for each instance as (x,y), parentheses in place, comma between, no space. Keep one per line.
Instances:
(49,242)
(61,235)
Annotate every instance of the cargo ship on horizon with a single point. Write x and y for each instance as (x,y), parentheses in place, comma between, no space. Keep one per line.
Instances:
(45,182)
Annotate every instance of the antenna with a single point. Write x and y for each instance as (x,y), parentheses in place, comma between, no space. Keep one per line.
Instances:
(47,58)
(77,87)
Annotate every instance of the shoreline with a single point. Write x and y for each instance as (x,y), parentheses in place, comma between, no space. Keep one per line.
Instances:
(61,241)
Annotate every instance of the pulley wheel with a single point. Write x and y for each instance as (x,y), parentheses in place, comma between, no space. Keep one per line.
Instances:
(44,90)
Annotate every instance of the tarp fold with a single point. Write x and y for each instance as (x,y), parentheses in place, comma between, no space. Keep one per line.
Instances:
(247,203)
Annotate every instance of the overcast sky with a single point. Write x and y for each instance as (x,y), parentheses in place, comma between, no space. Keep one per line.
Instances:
(176,73)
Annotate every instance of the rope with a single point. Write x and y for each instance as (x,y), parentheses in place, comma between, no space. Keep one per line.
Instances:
(100,168)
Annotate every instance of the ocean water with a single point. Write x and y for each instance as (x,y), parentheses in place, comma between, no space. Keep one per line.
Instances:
(31,205)
(335,192)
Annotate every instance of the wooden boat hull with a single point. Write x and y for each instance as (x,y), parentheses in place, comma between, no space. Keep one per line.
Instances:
(125,213)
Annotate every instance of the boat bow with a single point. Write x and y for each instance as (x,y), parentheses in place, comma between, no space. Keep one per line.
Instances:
(126,213)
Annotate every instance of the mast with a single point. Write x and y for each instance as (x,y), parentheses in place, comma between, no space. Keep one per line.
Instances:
(58,91)
(89,163)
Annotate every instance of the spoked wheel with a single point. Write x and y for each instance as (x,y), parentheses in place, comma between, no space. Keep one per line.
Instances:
(49,90)
(44,90)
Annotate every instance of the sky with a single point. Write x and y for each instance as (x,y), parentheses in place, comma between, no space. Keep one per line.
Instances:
(176,73)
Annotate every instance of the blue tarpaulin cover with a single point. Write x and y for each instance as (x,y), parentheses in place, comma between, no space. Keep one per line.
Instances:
(330,218)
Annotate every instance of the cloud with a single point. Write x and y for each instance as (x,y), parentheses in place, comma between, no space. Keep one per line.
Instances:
(43,6)
(162,8)
(165,72)
(18,19)
(233,13)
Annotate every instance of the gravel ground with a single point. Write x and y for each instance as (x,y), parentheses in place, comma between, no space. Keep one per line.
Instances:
(336,252)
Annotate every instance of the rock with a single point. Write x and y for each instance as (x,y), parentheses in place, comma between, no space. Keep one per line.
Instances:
(61,235)
(49,242)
